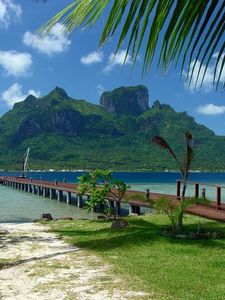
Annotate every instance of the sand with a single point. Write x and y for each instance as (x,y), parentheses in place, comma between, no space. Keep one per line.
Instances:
(41,266)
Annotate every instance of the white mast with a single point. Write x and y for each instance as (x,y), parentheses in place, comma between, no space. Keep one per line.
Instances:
(25,163)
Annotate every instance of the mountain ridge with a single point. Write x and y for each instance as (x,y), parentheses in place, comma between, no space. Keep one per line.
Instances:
(63,132)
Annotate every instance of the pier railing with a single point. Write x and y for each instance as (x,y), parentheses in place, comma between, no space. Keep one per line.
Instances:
(63,191)
(202,192)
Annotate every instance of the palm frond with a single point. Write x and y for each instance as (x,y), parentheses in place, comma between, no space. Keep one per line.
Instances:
(185,30)
(161,142)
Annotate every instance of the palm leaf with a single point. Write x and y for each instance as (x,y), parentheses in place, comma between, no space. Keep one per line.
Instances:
(161,142)
(184,30)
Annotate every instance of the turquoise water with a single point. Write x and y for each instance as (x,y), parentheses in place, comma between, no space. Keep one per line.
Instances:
(170,189)
(19,206)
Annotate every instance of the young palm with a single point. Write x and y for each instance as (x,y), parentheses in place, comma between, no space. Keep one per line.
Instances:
(184,167)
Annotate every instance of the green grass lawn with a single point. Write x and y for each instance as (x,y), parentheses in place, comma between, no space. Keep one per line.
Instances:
(169,268)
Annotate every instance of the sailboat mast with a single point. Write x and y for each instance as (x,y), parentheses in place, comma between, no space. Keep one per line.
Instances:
(25,163)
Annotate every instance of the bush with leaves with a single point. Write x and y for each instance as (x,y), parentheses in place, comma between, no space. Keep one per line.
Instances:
(172,209)
(101,188)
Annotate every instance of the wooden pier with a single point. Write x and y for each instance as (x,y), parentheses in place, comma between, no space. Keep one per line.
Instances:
(63,191)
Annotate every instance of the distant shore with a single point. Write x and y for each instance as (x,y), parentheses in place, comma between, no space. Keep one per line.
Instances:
(114,171)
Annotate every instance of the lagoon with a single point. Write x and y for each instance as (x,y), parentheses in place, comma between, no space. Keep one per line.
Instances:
(18,206)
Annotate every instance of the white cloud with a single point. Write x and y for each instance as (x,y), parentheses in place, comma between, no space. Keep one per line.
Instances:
(100,89)
(118,59)
(211,109)
(56,41)
(14,94)
(207,84)
(15,63)
(9,12)
(92,58)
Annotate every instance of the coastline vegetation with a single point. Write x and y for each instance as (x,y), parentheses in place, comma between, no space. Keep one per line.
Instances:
(165,267)
(103,140)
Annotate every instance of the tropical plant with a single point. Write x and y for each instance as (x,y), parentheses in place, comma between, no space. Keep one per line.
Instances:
(172,210)
(184,168)
(102,187)
(188,32)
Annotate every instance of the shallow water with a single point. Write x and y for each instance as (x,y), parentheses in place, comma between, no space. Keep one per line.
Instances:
(19,206)
(170,189)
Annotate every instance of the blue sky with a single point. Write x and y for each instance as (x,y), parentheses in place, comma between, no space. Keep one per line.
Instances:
(30,64)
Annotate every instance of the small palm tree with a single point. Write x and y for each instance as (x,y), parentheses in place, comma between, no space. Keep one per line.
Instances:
(183,167)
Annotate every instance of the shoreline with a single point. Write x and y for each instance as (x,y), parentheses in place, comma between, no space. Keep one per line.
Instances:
(47,268)
(114,171)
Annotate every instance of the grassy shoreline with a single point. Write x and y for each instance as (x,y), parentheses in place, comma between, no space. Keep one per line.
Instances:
(164,267)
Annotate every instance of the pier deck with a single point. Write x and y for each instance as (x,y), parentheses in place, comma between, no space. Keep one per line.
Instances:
(55,190)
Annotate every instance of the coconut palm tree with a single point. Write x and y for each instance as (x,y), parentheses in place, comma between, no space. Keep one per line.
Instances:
(186,32)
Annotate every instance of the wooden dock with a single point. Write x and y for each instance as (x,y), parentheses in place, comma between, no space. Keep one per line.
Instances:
(63,191)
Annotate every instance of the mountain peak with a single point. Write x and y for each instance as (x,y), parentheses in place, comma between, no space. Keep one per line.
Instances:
(30,98)
(160,106)
(65,133)
(131,100)
(59,92)
(29,101)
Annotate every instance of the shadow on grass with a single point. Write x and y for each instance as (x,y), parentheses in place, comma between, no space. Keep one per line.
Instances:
(101,239)
(139,232)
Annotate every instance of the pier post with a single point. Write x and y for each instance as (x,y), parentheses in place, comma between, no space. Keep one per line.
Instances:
(118,207)
(60,195)
(52,194)
(203,193)
(30,188)
(178,188)
(79,201)
(35,189)
(134,209)
(68,198)
(147,194)
(196,190)
(218,197)
(39,190)
(45,192)
(111,204)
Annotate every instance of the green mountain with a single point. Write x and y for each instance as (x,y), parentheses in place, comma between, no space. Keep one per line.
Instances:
(64,133)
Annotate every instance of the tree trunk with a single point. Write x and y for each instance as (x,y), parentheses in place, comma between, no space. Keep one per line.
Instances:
(181,215)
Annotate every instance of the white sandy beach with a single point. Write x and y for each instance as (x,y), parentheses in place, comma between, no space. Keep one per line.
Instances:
(42,266)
